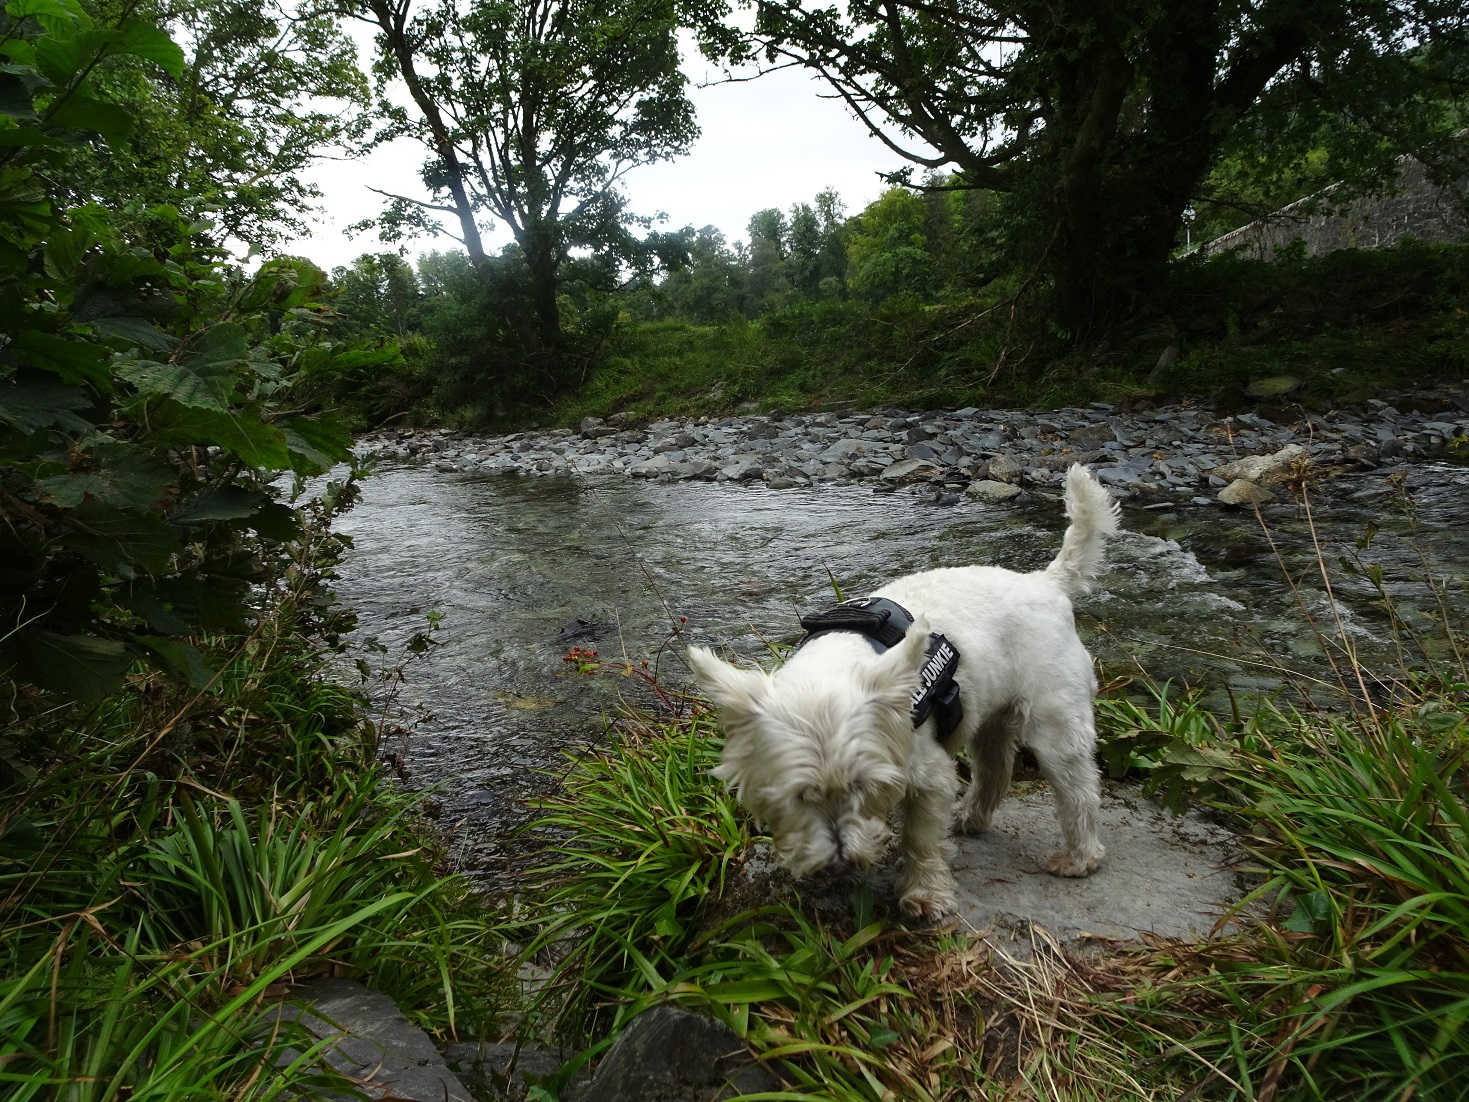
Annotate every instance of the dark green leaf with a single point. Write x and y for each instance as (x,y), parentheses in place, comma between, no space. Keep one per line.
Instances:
(52,14)
(34,404)
(60,58)
(138,331)
(182,660)
(151,43)
(123,475)
(211,600)
(276,522)
(192,385)
(15,95)
(121,541)
(72,359)
(255,442)
(82,667)
(78,112)
(28,136)
(321,442)
(64,249)
(222,346)
(224,503)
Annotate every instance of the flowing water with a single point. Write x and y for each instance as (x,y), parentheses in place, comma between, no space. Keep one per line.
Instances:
(523,569)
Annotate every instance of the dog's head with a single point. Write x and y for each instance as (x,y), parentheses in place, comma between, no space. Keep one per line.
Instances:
(818,751)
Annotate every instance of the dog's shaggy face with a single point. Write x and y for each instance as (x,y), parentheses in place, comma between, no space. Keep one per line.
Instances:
(819,755)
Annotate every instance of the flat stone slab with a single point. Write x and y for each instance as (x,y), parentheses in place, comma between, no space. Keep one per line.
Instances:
(1165,874)
(370,1041)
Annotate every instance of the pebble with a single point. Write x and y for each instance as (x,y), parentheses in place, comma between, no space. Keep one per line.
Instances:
(1182,454)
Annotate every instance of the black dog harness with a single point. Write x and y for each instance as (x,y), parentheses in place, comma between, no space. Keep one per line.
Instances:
(885,624)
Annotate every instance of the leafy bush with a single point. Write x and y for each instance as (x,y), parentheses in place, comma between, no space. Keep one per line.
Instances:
(139,428)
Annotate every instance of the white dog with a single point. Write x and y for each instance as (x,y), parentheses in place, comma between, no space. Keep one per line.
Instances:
(825,749)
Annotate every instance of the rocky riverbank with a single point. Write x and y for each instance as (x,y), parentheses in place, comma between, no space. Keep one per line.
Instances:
(1178,454)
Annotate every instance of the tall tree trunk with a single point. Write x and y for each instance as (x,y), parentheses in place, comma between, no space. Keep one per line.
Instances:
(393,20)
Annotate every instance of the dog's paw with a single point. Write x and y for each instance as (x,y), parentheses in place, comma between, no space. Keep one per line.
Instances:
(931,895)
(928,907)
(1066,864)
(972,822)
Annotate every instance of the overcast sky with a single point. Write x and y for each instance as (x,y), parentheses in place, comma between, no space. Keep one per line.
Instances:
(770,142)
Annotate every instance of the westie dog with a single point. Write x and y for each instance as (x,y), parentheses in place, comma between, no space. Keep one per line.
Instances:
(825,750)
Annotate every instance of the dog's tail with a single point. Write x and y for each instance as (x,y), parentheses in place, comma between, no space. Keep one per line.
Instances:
(1093,516)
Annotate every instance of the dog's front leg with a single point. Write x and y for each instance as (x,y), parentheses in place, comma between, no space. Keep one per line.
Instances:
(927,888)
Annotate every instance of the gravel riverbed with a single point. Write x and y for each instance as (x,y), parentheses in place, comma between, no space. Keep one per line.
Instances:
(1172,454)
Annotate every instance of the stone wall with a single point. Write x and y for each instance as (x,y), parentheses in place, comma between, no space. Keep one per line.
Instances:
(1412,207)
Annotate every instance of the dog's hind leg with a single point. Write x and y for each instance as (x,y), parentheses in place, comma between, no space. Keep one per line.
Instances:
(992,762)
(1063,742)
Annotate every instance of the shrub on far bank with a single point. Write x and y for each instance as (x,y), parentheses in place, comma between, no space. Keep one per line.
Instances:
(1347,326)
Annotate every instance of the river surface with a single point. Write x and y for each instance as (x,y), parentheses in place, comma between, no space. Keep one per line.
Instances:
(523,569)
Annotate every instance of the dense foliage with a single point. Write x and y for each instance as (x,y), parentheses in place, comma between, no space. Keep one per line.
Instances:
(140,381)
(1104,122)
(192,815)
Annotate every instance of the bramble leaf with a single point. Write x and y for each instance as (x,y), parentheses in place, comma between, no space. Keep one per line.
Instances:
(33,404)
(83,667)
(123,475)
(185,384)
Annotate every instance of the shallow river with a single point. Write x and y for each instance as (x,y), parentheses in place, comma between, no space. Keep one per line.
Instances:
(522,569)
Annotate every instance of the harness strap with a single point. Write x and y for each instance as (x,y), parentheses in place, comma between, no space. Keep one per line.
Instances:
(884,624)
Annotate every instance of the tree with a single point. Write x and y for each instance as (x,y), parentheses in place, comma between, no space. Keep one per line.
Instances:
(265,91)
(768,284)
(141,428)
(532,112)
(1101,119)
(887,253)
(377,294)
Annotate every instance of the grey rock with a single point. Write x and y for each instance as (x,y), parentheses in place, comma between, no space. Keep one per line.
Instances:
(368,1039)
(741,470)
(1260,468)
(1004,468)
(1242,492)
(670,1055)
(842,450)
(911,470)
(652,468)
(992,492)
(1164,874)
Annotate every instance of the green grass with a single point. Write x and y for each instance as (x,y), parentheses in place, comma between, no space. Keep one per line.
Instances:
(174,859)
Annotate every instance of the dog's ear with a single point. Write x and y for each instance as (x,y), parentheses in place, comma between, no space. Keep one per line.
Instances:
(736,693)
(894,676)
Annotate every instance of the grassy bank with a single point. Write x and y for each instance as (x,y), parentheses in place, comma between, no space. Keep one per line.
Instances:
(1347,327)
(174,858)
(1346,976)
(1353,983)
